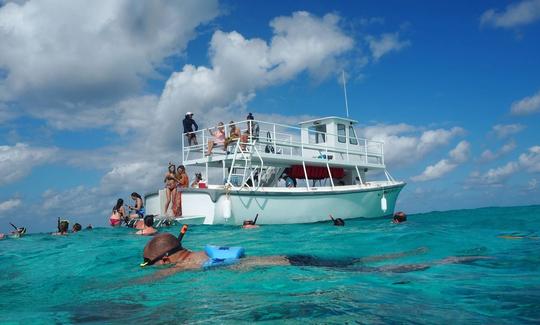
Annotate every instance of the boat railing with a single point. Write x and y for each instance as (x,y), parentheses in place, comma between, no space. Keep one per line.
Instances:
(288,142)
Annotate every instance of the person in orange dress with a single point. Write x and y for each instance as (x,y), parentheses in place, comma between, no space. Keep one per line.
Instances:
(183,182)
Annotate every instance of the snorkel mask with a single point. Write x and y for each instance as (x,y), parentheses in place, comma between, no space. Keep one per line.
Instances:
(148,262)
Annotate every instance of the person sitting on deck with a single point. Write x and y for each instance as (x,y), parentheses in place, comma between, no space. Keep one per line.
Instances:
(138,209)
(234,134)
(218,138)
(198,179)
(166,249)
(148,229)
(289,181)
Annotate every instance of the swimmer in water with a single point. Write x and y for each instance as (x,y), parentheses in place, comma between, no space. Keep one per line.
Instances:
(250,224)
(399,217)
(338,221)
(76,228)
(148,229)
(166,249)
(63,227)
(18,232)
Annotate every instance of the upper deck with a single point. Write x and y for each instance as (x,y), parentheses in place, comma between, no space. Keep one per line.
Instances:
(329,141)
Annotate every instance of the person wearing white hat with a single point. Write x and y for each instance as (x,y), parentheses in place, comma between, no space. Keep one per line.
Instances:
(189,123)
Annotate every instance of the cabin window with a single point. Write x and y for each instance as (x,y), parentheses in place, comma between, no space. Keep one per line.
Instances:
(317,134)
(352,136)
(342,137)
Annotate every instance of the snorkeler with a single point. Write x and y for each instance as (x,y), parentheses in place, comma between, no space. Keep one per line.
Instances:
(337,221)
(76,227)
(18,232)
(63,227)
(250,224)
(148,228)
(399,217)
(167,249)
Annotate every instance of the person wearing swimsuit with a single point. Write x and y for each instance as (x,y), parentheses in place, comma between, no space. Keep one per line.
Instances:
(170,188)
(183,182)
(218,138)
(118,213)
(138,208)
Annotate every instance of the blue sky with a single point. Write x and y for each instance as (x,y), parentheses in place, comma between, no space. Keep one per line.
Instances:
(92,94)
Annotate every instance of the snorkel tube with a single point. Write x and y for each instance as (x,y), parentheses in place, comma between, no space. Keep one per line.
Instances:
(255,220)
(182,233)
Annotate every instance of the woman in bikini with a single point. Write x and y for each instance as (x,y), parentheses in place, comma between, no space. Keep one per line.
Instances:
(138,208)
(234,134)
(170,187)
(118,214)
(219,138)
(183,182)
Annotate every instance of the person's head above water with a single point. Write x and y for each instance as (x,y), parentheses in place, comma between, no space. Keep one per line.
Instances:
(77,227)
(159,248)
(399,217)
(337,221)
(149,220)
(63,226)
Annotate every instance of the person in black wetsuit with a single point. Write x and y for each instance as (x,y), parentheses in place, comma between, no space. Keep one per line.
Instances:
(190,126)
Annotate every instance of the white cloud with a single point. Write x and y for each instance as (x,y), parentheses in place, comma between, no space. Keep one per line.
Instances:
(527,105)
(458,155)
(496,176)
(68,58)
(403,140)
(385,44)
(17,161)
(504,130)
(461,152)
(531,160)
(438,170)
(488,155)
(515,14)
(9,205)
(240,66)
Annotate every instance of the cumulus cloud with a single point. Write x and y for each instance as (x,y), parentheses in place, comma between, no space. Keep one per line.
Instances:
(62,57)
(403,140)
(385,44)
(461,152)
(17,161)
(488,155)
(240,66)
(458,155)
(514,15)
(9,205)
(531,160)
(527,105)
(505,130)
(438,170)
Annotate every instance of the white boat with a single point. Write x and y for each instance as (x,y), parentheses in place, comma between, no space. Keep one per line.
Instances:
(337,173)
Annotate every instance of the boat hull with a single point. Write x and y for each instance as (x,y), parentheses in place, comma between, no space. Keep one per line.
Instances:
(279,206)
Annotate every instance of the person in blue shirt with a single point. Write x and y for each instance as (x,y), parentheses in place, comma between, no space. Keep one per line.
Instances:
(190,126)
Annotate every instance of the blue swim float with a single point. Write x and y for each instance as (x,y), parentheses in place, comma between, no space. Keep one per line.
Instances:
(222,255)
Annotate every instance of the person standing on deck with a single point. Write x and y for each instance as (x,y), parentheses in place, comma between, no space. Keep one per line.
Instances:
(189,123)
(183,182)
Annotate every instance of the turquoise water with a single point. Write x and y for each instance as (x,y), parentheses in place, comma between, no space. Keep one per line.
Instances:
(91,277)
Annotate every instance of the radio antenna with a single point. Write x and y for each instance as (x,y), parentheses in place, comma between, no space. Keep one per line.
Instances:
(345,92)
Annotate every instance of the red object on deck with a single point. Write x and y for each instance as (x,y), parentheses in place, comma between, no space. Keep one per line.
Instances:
(314,172)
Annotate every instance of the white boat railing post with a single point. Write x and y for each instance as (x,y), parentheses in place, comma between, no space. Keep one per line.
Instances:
(330,175)
(203,143)
(359,176)
(183,148)
(274,138)
(365,151)
(305,174)
(382,153)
